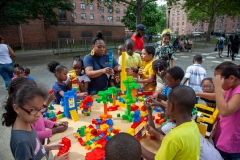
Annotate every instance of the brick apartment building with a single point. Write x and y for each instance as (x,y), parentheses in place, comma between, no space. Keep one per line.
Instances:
(179,24)
(84,21)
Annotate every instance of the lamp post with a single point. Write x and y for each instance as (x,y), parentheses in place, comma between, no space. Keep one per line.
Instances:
(135,16)
(169,10)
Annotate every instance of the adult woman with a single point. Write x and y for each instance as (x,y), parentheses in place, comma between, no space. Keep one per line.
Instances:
(235,47)
(164,49)
(97,67)
(6,65)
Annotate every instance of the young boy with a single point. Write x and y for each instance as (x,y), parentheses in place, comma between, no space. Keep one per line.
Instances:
(121,49)
(182,142)
(133,60)
(27,74)
(148,76)
(195,74)
(123,146)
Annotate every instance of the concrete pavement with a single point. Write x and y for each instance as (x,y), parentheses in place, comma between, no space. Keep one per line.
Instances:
(37,62)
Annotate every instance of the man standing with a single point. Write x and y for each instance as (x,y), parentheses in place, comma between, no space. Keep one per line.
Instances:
(138,38)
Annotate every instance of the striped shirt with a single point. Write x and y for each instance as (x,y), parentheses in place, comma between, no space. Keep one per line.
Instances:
(195,74)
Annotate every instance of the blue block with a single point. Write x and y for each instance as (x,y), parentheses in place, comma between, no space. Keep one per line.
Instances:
(109,122)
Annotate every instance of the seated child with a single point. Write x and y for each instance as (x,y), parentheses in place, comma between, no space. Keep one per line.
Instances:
(123,146)
(121,49)
(18,72)
(148,76)
(160,69)
(27,74)
(133,60)
(59,87)
(83,79)
(115,80)
(182,142)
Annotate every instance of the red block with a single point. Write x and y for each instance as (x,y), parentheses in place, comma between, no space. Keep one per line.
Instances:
(51,91)
(96,154)
(66,146)
(80,140)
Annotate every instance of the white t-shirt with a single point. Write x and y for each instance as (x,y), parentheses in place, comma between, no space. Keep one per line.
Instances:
(4,54)
(207,150)
(221,38)
(84,78)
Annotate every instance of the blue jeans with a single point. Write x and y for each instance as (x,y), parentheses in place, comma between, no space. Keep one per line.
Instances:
(6,71)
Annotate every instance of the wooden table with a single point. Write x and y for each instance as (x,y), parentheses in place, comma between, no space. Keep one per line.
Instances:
(78,152)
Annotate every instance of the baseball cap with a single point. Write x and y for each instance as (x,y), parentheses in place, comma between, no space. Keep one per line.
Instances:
(141,27)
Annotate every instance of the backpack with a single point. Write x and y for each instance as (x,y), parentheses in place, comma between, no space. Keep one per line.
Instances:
(220,41)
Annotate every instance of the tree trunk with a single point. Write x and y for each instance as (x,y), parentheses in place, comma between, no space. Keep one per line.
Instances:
(211,25)
(139,11)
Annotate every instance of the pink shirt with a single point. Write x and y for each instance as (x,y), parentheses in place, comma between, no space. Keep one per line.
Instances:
(227,136)
(40,126)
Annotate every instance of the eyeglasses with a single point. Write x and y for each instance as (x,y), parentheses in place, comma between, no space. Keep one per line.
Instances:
(34,111)
(207,87)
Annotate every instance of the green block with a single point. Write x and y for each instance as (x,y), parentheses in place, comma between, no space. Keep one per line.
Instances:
(118,115)
(88,143)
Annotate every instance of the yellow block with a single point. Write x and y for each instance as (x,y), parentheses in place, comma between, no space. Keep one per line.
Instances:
(130,131)
(76,135)
(202,129)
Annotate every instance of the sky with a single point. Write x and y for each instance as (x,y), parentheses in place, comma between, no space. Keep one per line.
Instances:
(161,2)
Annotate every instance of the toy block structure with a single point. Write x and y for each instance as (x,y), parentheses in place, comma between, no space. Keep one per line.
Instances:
(73,76)
(69,103)
(86,105)
(105,98)
(138,127)
(130,84)
(110,56)
(74,115)
(205,119)
(115,92)
(66,146)
(96,154)
(123,75)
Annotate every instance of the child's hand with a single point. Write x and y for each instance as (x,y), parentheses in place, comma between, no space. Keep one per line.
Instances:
(64,123)
(50,97)
(154,96)
(148,105)
(59,129)
(150,130)
(218,81)
(83,94)
(54,146)
(64,156)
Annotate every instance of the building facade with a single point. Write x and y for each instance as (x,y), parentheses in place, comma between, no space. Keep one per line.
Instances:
(178,22)
(84,21)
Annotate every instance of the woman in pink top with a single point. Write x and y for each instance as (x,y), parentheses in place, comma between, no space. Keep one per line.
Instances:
(227,137)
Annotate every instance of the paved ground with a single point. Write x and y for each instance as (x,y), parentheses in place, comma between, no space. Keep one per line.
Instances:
(37,61)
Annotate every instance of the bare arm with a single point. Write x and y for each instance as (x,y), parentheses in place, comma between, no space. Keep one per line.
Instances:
(172,63)
(61,93)
(150,79)
(147,154)
(118,68)
(185,80)
(69,84)
(93,73)
(83,87)
(209,96)
(11,52)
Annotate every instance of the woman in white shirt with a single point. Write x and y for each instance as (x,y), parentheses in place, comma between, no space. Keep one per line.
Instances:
(6,65)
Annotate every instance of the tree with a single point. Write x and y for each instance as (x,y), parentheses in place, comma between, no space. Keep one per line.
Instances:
(151,18)
(23,11)
(209,10)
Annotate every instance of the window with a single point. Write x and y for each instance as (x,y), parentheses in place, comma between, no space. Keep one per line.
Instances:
(91,16)
(177,23)
(233,26)
(83,16)
(102,1)
(110,18)
(117,4)
(74,5)
(183,29)
(233,30)
(82,6)
(118,19)
(110,2)
(172,24)
(124,11)
(182,23)
(117,10)
(178,7)
(238,19)
(102,18)
(177,18)
(233,20)
(62,14)
(173,13)
(124,3)
(183,12)
(74,15)
(178,13)
(102,9)
(173,19)
(192,29)
(91,7)
(225,25)
(238,25)
(183,18)
(177,29)
(109,10)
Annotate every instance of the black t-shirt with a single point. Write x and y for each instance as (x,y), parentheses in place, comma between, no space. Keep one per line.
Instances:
(235,44)
(209,103)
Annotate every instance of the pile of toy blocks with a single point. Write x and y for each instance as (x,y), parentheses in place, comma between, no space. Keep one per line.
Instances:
(66,146)
(86,105)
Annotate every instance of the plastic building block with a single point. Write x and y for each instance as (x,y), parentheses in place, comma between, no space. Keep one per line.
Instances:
(51,91)
(97,154)
(110,56)
(118,115)
(66,146)
(123,75)
(105,99)
(74,115)
(80,140)
(86,105)
(76,135)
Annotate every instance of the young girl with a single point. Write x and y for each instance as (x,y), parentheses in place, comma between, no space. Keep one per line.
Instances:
(77,65)
(227,137)
(60,86)
(114,80)
(23,108)
(18,72)
(160,68)
(208,91)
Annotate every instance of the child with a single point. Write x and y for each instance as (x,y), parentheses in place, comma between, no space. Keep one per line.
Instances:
(160,68)
(207,150)
(227,137)
(27,74)
(220,45)
(115,80)
(133,60)
(121,49)
(195,74)
(129,147)
(208,94)
(18,72)
(77,65)
(148,76)
(60,86)
(182,142)
(23,108)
